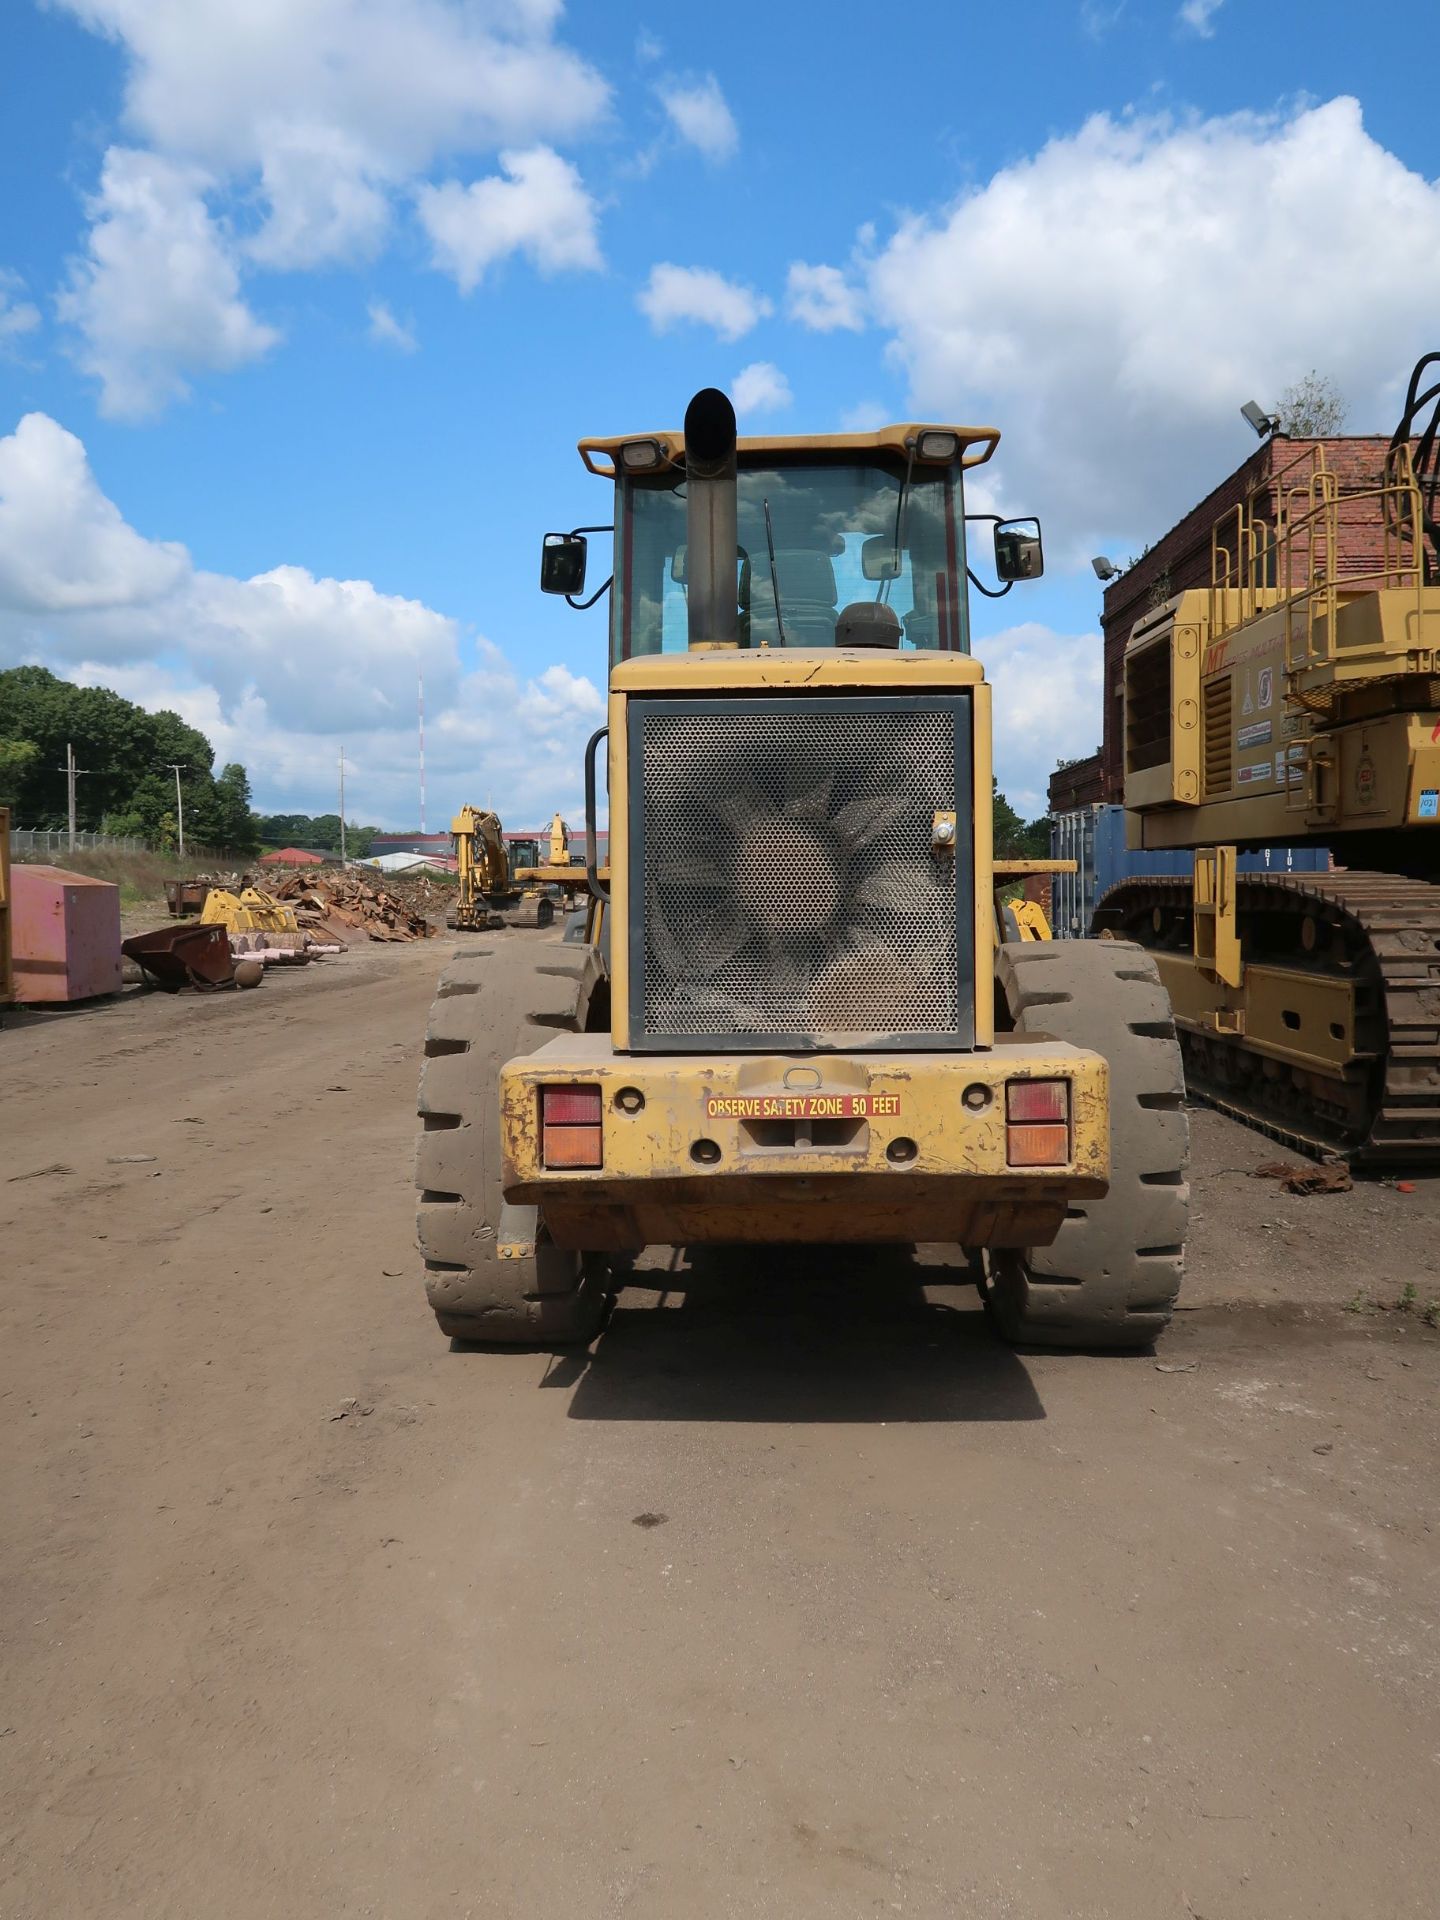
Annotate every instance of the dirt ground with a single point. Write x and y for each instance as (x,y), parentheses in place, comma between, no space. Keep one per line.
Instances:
(800,1596)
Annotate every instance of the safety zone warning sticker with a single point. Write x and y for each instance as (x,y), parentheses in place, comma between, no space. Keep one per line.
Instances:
(801,1106)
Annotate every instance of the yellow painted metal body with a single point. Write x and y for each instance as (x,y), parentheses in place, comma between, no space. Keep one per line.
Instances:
(561,869)
(249,911)
(1031,921)
(1217,937)
(785,1175)
(1299,709)
(482,866)
(1296,699)
(1302,1018)
(816,1147)
(560,855)
(977,444)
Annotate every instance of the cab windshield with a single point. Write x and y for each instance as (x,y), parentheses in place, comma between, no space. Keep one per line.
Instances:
(820,517)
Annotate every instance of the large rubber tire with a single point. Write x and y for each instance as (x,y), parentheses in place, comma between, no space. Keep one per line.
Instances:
(493,1004)
(1112,1273)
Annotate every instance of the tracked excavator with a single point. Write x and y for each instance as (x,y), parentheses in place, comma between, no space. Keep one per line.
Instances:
(1297,701)
(792,1021)
(492,894)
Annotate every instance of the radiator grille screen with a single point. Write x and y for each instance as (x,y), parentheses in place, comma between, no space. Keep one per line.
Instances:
(785,880)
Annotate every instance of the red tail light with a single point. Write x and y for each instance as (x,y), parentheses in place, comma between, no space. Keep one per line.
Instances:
(1037,1100)
(571,1106)
(1037,1132)
(570,1127)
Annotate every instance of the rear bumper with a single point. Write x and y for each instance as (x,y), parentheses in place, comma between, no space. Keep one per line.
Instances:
(801,1148)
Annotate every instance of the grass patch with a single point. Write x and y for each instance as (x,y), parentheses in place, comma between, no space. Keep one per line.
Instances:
(140,877)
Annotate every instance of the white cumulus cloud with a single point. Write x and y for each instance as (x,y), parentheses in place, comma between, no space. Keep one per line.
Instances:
(698,111)
(157,294)
(372,89)
(18,316)
(1199,16)
(325,115)
(387,331)
(1110,302)
(1049,691)
(760,388)
(699,295)
(327,200)
(540,209)
(65,548)
(279,668)
(822,299)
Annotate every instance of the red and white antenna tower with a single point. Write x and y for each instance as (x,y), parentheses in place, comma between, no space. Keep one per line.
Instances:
(420,671)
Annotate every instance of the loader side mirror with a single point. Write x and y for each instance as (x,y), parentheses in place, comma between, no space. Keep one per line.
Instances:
(562,563)
(679,573)
(880,558)
(1019,554)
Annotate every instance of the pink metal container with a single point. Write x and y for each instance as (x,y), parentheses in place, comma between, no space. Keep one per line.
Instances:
(66,934)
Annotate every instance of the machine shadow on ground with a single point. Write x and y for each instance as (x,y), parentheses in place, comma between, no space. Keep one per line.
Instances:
(809,1336)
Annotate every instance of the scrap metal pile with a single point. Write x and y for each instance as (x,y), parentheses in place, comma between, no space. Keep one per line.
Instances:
(334,905)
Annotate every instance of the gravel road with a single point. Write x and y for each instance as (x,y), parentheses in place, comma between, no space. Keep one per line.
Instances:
(800,1596)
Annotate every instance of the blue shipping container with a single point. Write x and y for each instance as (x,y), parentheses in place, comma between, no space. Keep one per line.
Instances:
(1094,837)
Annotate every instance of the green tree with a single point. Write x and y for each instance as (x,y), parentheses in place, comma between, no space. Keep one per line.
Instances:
(1017,839)
(16,758)
(126,755)
(237,827)
(1312,408)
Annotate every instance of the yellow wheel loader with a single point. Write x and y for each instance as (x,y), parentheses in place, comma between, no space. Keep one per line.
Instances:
(795,1022)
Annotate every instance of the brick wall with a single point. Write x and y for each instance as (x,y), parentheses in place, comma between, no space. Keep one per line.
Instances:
(1081,784)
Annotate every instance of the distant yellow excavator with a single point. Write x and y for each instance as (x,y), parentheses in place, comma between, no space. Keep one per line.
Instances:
(492,893)
(561,870)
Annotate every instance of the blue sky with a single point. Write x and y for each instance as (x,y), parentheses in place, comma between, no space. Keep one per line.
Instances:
(304,304)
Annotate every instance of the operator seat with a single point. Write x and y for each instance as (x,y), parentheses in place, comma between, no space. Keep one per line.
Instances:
(808,597)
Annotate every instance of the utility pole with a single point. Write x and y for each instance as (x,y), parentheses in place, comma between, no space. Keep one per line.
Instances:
(177,768)
(343,861)
(71,771)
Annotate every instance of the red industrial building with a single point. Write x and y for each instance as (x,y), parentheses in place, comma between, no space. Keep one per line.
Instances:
(292,857)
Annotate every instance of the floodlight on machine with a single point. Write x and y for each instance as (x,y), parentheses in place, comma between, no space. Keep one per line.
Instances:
(1264,423)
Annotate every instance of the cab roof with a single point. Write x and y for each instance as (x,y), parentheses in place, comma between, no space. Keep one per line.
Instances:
(976,444)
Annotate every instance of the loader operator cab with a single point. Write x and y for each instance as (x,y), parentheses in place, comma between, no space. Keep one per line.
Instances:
(851,541)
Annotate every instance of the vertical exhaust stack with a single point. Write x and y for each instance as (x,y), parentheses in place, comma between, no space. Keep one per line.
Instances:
(711,530)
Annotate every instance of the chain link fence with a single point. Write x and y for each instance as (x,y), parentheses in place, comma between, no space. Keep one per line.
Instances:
(32,840)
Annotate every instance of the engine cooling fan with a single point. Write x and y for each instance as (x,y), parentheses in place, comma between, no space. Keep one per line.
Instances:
(778,897)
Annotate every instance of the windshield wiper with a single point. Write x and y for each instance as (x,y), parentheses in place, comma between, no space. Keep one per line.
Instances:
(774,576)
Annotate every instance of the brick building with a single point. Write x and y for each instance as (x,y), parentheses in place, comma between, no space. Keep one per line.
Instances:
(1182,559)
